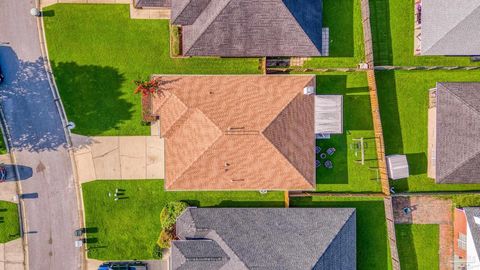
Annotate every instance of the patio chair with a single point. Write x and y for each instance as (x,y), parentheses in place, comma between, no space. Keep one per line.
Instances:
(323,156)
(331,151)
(317,163)
(317,149)
(328,164)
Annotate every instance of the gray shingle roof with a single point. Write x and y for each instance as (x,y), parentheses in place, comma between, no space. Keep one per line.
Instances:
(249,27)
(152,3)
(458,130)
(449,28)
(472,212)
(267,238)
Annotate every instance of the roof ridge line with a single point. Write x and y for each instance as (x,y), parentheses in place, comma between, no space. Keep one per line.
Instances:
(203,152)
(463,162)
(183,8)
(209,24)
(463,101)
(301,28)
(449,31)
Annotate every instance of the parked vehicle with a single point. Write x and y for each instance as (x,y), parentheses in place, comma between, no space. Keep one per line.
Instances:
(135,265)
(3,174)
(1,75)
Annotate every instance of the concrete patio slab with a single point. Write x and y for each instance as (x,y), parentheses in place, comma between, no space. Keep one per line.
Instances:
(124,157)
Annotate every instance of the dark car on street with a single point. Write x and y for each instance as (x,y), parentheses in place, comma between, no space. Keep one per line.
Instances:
(1,75)
(135,265)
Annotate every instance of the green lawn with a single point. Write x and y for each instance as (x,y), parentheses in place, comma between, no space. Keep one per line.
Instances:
(129,228)
(9,222)
(403,97)
(344,20)
(97,51)
(392,32)
(418,246)
(348,175)
(3,147)
(372,241)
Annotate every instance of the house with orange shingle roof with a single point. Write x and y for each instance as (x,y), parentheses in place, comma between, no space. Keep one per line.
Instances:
(247,132)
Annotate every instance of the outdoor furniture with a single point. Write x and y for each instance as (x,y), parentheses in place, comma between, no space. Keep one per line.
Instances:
(330,151)
(317,149)
(323,156)
(317,163)
(328,164)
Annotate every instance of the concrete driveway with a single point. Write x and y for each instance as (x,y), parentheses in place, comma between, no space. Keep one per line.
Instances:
(119,158)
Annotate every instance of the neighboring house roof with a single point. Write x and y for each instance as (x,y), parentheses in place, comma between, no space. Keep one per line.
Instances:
(265,238)
(471,213)
(153,3)
(237,132)
(450,28)
(458,130)
(249,27)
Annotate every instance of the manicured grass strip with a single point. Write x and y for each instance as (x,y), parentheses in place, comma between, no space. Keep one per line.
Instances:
(97,51)
(9,222)
(393,32)
(403,97)
(372,241)
(128,228)
(3,146)
(418,246)
(344,20)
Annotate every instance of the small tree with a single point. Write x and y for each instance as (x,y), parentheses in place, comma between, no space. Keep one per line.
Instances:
(168,218)
(153,86)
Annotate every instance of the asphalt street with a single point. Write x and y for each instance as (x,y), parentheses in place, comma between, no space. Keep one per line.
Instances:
(38,142)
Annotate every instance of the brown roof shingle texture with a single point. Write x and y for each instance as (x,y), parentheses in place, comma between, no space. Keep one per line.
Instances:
(238,132)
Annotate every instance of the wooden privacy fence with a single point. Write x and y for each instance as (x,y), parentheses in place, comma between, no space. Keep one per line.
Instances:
(377,126)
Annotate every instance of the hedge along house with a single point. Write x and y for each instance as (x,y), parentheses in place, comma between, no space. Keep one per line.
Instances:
(445,27)
(246,132)
(250,28)
(265,238)
(453,131)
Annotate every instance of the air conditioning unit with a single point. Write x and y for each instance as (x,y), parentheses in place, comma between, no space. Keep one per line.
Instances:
(309,90)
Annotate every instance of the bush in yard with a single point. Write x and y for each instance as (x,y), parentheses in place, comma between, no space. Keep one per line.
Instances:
(168,217)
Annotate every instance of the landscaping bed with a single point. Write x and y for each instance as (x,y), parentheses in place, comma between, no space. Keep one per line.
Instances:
(418,245)
(348,174)
(9,222)
(372,240)
(344,20)
(96,52)
(392,23)
(128,228)
(403,98)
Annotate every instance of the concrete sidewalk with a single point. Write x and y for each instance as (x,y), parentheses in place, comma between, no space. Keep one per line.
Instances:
(119,158)
(11,255)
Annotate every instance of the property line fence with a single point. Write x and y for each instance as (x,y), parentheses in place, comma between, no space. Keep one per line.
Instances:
(377,126)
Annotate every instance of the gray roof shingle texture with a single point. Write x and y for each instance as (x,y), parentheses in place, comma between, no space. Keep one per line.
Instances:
(458,130)
(249,28)
(472,212)
(269,238)
(153,3)
(450,28)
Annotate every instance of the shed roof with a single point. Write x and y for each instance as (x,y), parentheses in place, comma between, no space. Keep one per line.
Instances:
(458,129)
(237,132)
(328,114)
(249,27)
(270,238)
(450,28)
(397,166)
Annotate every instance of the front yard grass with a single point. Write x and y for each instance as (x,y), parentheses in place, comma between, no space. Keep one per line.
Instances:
(403,98)
(372,240)
(348,175)
(392,24)
(418,245)
(96,52)
(128,229)
(344,20)
(9,222)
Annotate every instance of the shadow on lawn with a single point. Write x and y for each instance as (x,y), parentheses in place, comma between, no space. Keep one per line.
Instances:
(381,34)
(338,17)
(92,96)
(372,239)
(406,247)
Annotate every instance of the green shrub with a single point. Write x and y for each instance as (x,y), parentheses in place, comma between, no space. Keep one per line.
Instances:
(165,237)
(157,252)
(170,212)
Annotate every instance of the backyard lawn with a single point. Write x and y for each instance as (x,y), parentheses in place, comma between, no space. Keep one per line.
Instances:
(403,97)
(348,174)
(9,223)
(129,228)
(344,20)
(392,25)
(372,241)
(418,246)
(96,52)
